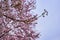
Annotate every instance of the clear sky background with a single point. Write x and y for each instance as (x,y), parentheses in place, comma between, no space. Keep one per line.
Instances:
(49,27)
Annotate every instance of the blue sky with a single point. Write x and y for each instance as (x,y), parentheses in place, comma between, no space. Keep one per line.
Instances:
(49,27)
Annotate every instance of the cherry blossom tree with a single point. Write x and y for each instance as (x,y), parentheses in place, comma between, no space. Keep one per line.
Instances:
(17,21)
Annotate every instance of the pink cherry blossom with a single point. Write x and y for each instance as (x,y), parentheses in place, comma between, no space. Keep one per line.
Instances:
(16,20)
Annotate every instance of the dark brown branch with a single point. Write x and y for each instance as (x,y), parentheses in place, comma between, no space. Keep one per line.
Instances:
(25,21)
(3,34)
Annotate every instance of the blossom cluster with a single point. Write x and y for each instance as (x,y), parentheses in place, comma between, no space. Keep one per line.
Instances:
(16,20)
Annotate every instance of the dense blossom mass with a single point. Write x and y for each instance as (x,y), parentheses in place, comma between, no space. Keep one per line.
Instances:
(16,20)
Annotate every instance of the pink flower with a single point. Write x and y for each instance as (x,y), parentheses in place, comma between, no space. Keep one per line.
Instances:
(1,20)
